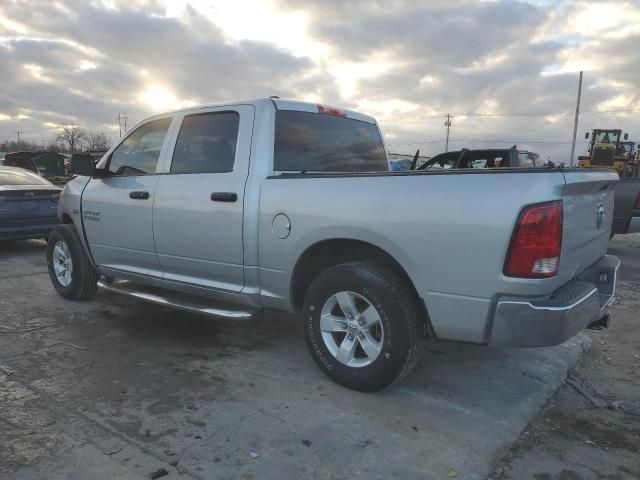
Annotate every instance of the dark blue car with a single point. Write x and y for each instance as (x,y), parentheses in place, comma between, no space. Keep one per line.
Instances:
(28,204)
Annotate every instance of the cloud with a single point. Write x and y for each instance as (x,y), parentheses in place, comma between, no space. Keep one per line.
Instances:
(133,54)
(485,57)
(405,62)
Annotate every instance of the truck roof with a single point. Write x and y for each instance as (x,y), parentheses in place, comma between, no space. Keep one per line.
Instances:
(280,104)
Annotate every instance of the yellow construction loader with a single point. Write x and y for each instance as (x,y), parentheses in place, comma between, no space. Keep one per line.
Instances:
(607,151)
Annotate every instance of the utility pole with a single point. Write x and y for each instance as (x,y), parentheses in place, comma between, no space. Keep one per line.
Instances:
(447,124)
(18,132)
(575,122)
(122,117)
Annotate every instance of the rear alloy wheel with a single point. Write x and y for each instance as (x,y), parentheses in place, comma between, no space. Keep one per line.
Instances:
(351,329)
(364,325)
(70,270)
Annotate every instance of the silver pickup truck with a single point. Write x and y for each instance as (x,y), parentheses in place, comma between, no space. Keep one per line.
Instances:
(231,208)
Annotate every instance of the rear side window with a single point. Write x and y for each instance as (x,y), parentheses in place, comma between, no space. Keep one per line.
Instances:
(20,178)
(316,142)
(138,154)
(206,143)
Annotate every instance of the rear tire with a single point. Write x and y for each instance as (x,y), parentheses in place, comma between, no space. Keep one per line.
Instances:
(364,326)
(70,270)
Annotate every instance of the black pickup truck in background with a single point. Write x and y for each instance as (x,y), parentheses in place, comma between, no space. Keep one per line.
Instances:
(486,158)
(626,214)
(627,192)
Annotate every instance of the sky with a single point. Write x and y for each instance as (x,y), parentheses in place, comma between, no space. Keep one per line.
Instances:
(506,70)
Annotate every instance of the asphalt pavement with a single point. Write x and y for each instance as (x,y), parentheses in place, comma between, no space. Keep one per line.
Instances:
(116,388)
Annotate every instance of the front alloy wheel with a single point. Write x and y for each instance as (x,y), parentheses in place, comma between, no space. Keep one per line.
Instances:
(70,269)
(62,263)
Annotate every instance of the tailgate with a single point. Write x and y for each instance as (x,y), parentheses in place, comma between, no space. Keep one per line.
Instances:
(588,213)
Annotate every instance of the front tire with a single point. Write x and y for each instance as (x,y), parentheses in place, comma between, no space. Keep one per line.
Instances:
(70,269)
(363,325)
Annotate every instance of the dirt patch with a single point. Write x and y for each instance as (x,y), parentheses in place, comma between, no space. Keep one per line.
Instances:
(590,429)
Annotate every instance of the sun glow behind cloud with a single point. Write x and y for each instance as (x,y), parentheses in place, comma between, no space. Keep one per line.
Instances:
(159,98)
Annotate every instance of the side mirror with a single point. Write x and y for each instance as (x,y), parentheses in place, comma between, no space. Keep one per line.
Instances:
(83,165)
(586,136)
(626,136)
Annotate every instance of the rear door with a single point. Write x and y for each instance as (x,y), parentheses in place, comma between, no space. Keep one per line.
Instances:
(198,212)
(117,209)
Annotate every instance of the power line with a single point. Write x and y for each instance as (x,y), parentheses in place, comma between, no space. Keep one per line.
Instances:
(18,132)
(479,140)
(531,114)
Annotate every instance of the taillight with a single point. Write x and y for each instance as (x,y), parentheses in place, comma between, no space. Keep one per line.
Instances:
(637,207)
(327,110)
(55,197)
(535,245)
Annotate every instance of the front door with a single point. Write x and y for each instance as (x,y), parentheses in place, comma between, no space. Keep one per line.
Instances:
(117,209)
(198,212)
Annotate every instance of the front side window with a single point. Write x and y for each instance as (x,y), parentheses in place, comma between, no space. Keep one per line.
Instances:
(138,154)
(206,143)
(316,142)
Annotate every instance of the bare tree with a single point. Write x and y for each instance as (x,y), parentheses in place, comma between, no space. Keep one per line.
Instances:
(21,146)
(98,141)
(72,136)
(53,146)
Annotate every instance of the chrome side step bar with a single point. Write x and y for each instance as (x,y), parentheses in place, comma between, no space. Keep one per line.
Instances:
(188,306)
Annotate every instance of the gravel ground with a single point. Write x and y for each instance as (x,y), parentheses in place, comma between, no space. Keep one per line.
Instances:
(591,428)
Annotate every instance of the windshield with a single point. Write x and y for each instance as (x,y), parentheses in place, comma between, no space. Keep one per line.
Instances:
(607,136)
(20,177)
(316,142)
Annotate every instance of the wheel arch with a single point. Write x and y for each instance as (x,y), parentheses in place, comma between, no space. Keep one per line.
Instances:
(327,253)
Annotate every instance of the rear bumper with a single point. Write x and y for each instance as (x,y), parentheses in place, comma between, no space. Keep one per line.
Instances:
(554,319)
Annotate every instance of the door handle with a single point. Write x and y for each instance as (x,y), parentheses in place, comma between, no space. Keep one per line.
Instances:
(139,195)
(224,196)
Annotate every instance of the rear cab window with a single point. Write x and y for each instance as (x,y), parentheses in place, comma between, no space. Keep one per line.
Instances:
(316,142)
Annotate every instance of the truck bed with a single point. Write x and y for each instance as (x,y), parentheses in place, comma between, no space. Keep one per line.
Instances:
(460,222)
